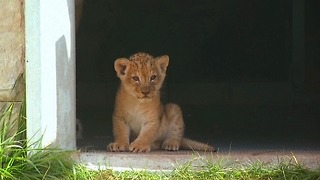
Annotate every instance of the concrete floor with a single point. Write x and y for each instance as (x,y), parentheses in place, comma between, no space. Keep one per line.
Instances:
(167,161)
(240,152)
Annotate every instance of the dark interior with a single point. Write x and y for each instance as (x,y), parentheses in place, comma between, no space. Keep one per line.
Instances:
(240,70)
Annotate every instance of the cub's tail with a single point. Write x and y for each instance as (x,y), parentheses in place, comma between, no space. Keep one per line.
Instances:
(195,145)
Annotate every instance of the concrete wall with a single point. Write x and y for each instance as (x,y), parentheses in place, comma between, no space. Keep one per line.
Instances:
(11,49)
(12,56)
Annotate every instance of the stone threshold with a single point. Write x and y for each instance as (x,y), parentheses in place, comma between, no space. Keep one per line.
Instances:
(167,161)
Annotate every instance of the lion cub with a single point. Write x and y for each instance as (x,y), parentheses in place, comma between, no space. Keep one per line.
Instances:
(140,121)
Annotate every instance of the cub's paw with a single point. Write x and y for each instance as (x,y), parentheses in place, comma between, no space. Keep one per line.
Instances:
(171,144)
(116,147)
(138,147)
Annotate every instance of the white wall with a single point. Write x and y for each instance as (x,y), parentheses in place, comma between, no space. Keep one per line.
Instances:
(50,72)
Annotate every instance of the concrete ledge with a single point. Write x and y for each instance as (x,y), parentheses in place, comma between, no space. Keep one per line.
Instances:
(168,161)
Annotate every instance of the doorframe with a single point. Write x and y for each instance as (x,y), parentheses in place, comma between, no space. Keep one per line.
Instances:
(50,73)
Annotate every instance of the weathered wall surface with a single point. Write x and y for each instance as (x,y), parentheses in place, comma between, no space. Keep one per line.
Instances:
(11,50)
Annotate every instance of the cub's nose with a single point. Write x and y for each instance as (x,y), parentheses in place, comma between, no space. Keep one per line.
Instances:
(145,92)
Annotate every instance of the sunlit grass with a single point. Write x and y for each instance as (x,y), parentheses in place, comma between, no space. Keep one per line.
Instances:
(252,170)
(18,160)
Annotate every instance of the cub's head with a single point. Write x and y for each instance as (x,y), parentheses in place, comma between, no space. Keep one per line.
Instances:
(142,75)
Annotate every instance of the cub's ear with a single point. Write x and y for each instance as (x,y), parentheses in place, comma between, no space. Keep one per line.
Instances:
(120,65)
(163,62)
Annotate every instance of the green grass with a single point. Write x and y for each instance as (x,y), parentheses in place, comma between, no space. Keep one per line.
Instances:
(256,170)
(19,161)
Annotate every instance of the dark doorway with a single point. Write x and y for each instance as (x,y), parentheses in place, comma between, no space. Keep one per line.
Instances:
(231,65)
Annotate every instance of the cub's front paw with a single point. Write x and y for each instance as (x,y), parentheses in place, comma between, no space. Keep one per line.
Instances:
(116,147)
(138,147)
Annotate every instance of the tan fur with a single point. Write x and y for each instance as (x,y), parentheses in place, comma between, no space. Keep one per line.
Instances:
(140,121)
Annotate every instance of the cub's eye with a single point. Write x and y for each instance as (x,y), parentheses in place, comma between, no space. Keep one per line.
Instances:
(153,77)
(136,78)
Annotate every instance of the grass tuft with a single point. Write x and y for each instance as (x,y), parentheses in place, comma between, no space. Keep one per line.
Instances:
(16,159)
